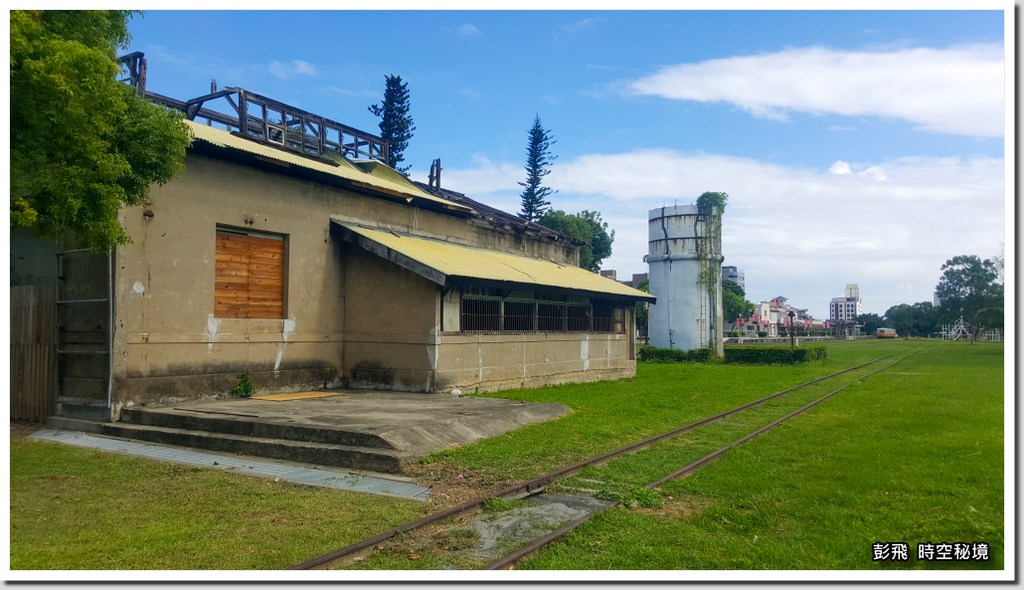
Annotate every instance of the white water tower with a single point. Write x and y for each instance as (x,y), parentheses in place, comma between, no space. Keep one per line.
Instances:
(685,316)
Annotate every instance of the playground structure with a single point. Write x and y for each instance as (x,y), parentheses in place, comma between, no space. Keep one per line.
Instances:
(961,330)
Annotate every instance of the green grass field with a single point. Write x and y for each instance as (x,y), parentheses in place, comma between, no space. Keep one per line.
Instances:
(912,454)
(76,508)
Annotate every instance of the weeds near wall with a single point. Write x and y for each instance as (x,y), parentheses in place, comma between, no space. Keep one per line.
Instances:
(244,387)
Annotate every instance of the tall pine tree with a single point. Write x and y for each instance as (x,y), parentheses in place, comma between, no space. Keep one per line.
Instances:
(538,158)
(395,123)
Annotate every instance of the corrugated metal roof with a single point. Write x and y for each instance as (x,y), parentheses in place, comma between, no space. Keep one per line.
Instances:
(373,176)
(446,259)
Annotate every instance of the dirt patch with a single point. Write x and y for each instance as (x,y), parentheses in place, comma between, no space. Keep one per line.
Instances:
(684,508)
(23,429)
(450,486)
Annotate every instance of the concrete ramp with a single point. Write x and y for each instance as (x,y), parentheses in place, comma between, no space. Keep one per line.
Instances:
(375,431)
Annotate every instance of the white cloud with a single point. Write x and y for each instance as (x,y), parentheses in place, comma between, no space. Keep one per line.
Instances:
(474,94)
(958,90)
(483,179)
(804,233)
(839,128)
(579,25)
(876,172)
(293,70)
(468,29)
(840,167)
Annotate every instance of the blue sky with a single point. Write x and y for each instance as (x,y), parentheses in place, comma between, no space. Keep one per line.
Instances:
(856,146)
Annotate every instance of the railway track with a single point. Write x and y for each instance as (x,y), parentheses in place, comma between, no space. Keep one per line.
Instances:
(534,486)
(509,560)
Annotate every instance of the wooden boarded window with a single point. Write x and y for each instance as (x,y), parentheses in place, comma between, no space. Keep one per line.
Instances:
(249,279)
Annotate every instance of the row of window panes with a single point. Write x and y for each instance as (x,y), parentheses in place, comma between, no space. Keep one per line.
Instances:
(491,314)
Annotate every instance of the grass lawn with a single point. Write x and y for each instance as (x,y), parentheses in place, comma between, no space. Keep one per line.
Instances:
(912,454)
(610,414)
(899,457)
(76,508)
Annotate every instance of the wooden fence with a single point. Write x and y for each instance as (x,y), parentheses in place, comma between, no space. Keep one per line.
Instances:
(33,353)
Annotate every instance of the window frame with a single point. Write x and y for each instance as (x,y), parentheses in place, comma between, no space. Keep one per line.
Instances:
(218,308)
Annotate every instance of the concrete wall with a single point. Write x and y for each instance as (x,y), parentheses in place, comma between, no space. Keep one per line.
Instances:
(495,362)
(351,318)
(392,315)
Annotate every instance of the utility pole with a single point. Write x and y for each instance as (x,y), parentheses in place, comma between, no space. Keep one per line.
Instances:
(792,327)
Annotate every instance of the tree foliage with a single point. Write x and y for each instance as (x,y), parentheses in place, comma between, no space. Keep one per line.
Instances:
(870,323)
(538,162)
(968,286)
(83,145)
(585,226)
(395,122)
(920,319)
(734,302)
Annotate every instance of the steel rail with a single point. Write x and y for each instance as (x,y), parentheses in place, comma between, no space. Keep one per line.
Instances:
(535,485)
(510,559)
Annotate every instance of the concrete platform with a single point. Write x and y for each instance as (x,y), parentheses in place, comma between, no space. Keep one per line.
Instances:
(370,430)
(297,473)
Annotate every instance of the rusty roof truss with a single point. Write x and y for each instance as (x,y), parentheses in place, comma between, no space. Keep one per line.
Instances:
(265,119)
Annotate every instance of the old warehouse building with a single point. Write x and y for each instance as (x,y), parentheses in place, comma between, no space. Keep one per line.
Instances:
(289,250)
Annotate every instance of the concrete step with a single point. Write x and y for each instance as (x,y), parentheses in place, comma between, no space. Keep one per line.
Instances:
(370,459)
(75,424)
(251,426)
(95,411)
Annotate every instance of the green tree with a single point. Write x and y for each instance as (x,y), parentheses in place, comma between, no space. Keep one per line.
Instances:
(395,122)
(83,145)
(968,286)
(903,319)
(734,302)
(586,226)
(870,323)
(538,162)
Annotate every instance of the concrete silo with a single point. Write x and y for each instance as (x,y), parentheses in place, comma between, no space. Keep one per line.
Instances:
(688,314)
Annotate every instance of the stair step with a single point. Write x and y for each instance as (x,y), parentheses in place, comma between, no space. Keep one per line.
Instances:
(356,457)
(252,426)
(75,424)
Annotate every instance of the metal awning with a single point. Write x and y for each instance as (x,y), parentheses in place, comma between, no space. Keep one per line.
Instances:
(447,264)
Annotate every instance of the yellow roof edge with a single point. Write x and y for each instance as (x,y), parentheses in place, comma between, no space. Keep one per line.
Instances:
(440,261)
(225,139)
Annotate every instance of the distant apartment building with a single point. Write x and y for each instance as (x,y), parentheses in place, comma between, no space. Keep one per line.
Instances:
(847,307)
(734,274)
(637,279)
(635,282)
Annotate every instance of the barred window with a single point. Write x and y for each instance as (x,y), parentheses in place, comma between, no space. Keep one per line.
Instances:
(518,316)
(481,315)
(482,312)
(578,318)
(550,317)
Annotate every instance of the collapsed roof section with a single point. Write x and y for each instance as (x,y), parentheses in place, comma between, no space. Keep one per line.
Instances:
(332,169)
(261,132)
